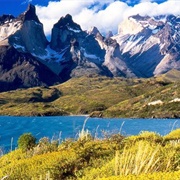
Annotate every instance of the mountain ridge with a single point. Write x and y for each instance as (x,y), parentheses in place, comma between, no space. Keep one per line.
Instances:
(144,46)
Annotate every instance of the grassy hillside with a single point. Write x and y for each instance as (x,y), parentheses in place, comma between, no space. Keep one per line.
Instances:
(98,96)
(144,156)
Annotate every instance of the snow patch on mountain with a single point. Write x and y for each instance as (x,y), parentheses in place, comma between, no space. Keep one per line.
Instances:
(74,30)
(18,47)
(129,26)
(51,55)
(91,56)
(155,31)
(7,30)
(133,44)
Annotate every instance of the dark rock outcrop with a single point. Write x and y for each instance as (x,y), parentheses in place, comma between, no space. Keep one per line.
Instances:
(29,15)
(21,70)
(62,33)
(6,18)
(83,54)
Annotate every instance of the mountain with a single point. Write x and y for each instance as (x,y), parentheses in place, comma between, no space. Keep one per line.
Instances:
(21,39)
(22,70)
(144,47)
(150,45)
(80,51)
(24,33)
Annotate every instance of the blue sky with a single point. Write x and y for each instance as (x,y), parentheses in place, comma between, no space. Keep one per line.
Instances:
(15,7)
(104,14)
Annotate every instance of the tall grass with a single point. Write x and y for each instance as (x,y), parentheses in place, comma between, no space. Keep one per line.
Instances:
(84,133)
(1,152)
(120,130)
(143,157)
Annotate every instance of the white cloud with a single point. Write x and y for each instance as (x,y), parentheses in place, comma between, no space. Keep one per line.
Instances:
(105,20)
(105,15)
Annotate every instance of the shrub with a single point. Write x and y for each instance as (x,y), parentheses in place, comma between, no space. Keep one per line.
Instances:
(26,141)
(106,170)
(45,146)
(87,158)
(145,135)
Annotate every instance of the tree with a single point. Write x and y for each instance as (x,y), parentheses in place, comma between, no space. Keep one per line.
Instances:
(26,141)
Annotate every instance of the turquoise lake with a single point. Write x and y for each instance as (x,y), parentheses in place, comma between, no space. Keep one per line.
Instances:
(62,127)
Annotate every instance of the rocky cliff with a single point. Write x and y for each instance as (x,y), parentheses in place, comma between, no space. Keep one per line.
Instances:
(22,70)
(150,45)
(21,40)
(81,52)
(25,33)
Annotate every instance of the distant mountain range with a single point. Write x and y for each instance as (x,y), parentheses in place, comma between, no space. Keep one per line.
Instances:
(144,47)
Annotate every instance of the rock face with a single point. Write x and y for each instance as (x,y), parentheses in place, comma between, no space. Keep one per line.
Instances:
(82,55)
(19,70)
(62,33)
(30,35)
(22,38)
(150,46)
(24,33)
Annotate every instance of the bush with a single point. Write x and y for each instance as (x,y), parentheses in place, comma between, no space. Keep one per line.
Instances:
(173,135)
(145,135)
(45,146)
(26,141)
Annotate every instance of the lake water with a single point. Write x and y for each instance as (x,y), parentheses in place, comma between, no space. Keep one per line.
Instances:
(62,127)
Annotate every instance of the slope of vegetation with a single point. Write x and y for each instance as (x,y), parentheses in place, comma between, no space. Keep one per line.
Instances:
(144,156)
(99,96)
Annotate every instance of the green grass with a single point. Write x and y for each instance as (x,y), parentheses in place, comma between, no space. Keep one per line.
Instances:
(97,96)
(171,76)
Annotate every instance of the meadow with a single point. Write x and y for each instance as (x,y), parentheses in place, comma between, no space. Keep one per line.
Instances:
(146,156)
